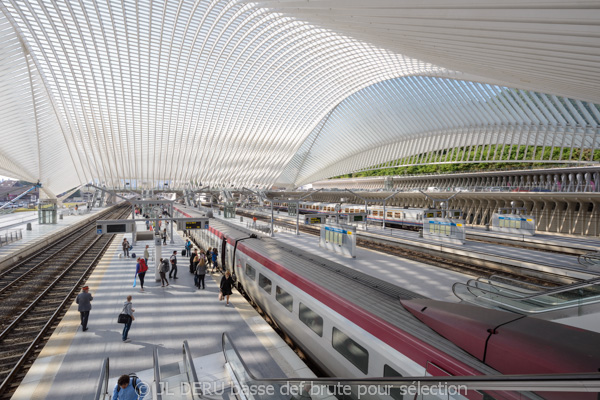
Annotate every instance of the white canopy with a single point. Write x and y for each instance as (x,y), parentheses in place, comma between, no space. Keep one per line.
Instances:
(237,93)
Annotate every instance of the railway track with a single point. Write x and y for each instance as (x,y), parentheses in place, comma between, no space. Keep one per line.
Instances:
(438,260)
(35,294)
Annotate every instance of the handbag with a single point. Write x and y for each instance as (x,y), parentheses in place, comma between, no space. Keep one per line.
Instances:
(124,319)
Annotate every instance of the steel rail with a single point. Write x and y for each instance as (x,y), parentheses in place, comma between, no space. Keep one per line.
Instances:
(28,259)
(36,340)
(26,274)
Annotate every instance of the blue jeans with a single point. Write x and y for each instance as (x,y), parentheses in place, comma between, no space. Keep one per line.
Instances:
(126,329)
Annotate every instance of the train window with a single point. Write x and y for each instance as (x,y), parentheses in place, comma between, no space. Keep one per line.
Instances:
(397,215)
(250,272)
(352,351)
(389,214)
(284,298)
(389,372)
(346,209)
(311,319)
(264,283)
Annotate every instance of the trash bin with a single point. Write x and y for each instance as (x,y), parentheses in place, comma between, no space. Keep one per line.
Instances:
(29,226)
(241,219)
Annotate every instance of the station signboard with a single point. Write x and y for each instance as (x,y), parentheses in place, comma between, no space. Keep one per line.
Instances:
(192,223)
(114,226)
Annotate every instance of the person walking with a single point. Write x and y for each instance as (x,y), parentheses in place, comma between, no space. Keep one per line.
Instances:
(125,247)
(129,388)
(146,254)
(173,260)
(84,306)
(164,236)
(226,286)
(215,254)
(209,257)
(140,270)
(193,261)
(164,268)
(200,272)
(129,310)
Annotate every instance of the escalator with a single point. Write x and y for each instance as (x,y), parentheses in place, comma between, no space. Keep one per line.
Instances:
(523,298)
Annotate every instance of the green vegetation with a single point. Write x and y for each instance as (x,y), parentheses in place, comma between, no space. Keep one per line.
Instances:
(473,159)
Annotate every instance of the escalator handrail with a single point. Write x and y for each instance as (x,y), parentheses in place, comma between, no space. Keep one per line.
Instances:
(102,385)
(190,369)
(560,289)
(503,278)
(542,307)
(584,382)
(156,368)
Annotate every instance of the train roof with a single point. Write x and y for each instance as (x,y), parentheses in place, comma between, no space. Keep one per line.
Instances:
(368,292)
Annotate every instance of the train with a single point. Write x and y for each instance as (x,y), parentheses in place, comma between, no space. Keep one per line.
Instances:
(401,217)
(353,325)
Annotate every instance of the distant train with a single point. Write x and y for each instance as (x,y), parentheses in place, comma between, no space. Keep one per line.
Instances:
(407,218)
(351,329)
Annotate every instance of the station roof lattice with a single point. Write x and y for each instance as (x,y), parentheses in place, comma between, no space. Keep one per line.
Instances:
(237,93)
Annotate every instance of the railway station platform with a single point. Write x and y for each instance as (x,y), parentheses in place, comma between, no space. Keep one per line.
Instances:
(39,234)
(69,366)
(537,262)
(425,279)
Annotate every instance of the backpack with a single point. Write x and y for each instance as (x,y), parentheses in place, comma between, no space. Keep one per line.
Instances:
(133,380)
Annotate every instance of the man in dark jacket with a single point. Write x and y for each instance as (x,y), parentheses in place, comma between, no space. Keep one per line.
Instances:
(84,306)
(173,260)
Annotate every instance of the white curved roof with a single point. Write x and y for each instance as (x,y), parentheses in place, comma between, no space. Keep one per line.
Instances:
(221,92)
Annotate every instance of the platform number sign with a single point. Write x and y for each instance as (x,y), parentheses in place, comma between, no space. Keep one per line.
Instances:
(99,230)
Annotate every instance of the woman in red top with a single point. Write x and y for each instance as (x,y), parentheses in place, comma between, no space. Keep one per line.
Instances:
(140,270)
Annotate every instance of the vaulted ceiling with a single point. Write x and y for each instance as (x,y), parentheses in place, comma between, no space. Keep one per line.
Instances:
(239,93)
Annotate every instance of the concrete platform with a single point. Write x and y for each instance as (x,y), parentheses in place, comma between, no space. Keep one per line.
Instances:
(543,261)
(435,283)
(566,243)
(69,365)
(39,234)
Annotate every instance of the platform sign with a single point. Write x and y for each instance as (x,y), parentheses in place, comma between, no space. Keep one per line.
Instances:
(513,223)
(115,226)
(444,229)
(340,239)
(192,223)
(314,219)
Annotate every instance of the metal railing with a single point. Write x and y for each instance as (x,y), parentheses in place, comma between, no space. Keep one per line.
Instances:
(102,385)
(190,371)
(497,386)
(9,237)
(525,301)
(157,390)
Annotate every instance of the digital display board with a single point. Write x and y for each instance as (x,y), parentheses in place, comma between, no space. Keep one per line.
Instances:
(314,220)
(116,228)
(193,225)
(358,218)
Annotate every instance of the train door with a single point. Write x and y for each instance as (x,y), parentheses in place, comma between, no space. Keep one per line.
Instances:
(223,252)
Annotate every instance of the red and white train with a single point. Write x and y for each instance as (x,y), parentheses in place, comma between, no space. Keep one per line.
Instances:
(354,325)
